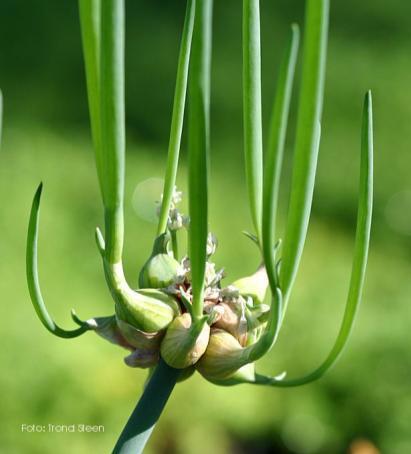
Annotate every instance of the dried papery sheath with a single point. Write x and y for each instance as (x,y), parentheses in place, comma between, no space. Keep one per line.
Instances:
(108,329)
(233,319)
(142,358)
(139,339)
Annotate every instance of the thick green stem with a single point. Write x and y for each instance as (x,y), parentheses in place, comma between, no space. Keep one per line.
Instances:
(141,423)
(102,27)
(199,112)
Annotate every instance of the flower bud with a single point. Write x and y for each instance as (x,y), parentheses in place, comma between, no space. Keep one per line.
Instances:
(148,310)
(254,286)
(185,342)
(223,358)
(161,270)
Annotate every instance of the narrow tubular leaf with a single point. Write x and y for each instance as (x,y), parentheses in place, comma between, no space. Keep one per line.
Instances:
(112,124)
(199,112)
(274,159)
(90,22)
(362,240)
(33,277)
(306,146)
(177,116)
(253,142)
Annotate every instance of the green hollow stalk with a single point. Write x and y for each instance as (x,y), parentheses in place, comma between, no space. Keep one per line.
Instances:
(102,24)
(177,117)
(253,141)
(198,144)
(102,28)
(307,141)
(112,124)
(140,425)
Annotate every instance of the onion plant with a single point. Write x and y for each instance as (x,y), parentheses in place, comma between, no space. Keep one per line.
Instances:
(183,319)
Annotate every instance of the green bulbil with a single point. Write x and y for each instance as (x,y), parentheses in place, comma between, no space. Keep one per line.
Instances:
(148,310)
(161,269)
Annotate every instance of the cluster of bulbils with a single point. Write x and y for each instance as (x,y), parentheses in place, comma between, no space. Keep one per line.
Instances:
(215,344)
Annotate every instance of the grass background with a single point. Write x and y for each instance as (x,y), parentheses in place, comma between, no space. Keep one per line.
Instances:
(47,380)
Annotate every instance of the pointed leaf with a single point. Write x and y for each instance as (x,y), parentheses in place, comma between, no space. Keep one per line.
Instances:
(33,278)
(307,140)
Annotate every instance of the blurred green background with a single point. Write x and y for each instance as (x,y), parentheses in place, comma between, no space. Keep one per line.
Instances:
(363,406)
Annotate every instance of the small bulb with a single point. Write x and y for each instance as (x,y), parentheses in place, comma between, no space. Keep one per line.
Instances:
(185,342)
